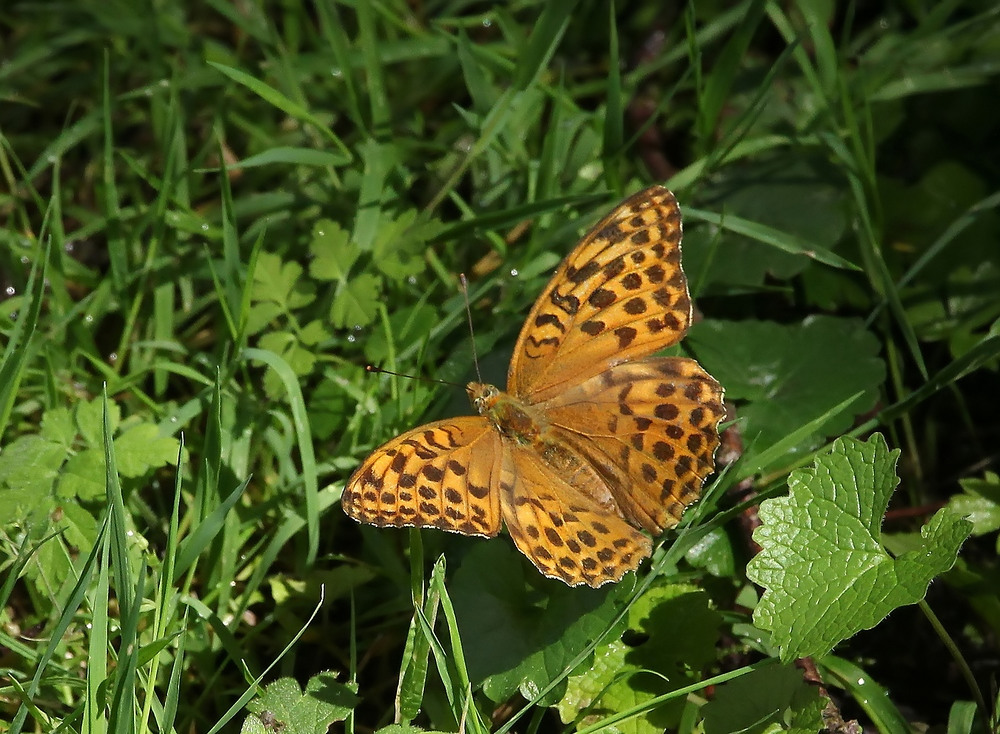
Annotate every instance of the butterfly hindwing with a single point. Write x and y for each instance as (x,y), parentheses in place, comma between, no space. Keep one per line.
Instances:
(563,531)
(441,475)
(651,426)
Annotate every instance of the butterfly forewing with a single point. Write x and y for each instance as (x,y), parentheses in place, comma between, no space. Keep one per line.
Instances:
(441,475)
(620,295)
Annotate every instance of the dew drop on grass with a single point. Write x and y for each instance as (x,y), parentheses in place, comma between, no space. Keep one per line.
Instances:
(10,291)
(514,273)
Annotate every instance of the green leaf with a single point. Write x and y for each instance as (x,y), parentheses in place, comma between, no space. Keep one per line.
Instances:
(356,302)
(331,403)
(31,462)
(261,316)
(142,448)
(399,244)
(659,661)
(790,375)
(979,503)
(771,219)
(761,699)
(89,416)
(714,553)
(409,325)
(287,346)
(58,426)
(281,283)
(332,250)
(519,642)
(83,476)
(314,332)
(822,563)
(324,702)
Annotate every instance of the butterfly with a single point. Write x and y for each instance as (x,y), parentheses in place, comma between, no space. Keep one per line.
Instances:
(594,440)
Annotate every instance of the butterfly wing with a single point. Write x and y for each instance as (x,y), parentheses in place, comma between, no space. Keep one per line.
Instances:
(650,428)
(619,295)
(443,475)
(567,533)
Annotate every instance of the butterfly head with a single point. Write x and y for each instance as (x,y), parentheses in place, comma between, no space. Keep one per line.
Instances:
(482,396)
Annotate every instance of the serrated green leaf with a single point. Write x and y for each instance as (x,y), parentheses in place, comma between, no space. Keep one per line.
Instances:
(979,503)
(624,676)
(324,702)
(790,375)
(356,302)
(763,698)
(78,526)
(261,315)
(83,476)
(58,426)
(31,461)
(287,346)
(281,283)
(333,251)
(254,725)
(583,689)
(822,564)
(313,333)
(89,417)
(142,448)
(407,729)
(399,244)
(18,502)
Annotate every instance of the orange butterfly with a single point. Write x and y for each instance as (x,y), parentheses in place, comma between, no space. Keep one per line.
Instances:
(593,439)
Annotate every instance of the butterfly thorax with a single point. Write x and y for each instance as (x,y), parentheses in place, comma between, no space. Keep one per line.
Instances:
(525,425)
(512,418)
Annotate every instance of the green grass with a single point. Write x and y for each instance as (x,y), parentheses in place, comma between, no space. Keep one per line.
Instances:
(215,215)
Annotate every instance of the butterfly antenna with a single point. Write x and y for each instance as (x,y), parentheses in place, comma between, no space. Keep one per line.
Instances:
(379,371)
(472,332)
